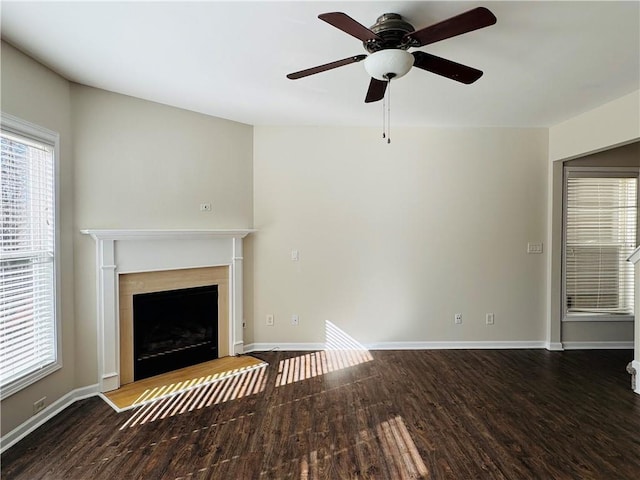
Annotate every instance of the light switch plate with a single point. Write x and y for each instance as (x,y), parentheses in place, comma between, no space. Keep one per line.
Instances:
(534,247)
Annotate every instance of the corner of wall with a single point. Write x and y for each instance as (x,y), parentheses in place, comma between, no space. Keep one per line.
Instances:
(613,124)
(38,95)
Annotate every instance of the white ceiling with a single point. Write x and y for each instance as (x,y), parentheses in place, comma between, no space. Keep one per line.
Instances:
(543,62)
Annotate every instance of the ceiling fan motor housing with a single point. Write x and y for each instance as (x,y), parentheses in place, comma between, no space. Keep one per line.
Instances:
(391,28)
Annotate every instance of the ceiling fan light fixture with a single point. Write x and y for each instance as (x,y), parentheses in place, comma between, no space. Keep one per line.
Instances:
(387,64)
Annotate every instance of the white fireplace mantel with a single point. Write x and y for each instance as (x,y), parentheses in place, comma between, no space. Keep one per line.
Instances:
(132,251)
(128,234)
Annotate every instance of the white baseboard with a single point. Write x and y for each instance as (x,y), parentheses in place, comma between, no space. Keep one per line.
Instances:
(45,415)
(493,345)
(488,345)
(554,346)
(238,348)
(286,347)
(597,345)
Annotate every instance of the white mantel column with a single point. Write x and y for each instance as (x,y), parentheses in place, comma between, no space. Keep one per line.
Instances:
(635,258)
(238,314)
(108,354)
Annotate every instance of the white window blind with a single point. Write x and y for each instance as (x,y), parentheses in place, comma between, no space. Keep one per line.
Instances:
(600,234)
(28,341)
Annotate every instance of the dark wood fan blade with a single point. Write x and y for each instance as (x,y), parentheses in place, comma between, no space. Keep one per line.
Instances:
(446,68)
(465,22)
(344,22)
(325,67)
(376,90)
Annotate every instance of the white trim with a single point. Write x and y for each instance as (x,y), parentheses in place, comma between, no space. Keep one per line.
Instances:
(32,377)
(111,381)
(181,390)
(597,345)
(111,404)
(138,234)
(586,317)
(636,364)
(238,348)
(131,251)
(236,337)
(635,256)
(42,135)
(462,345)
(24,128)
(554,346)
(285,347)
(45,415)
(499,345)
(605,172)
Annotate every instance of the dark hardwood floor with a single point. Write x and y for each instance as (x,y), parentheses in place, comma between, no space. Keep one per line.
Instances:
(507,414)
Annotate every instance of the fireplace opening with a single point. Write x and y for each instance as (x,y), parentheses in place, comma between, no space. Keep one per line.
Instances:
(174,329)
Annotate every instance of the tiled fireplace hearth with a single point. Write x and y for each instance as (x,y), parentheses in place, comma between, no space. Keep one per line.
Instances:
(193,257)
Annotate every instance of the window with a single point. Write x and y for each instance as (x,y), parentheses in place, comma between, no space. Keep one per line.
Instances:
(600,227)
(29,328)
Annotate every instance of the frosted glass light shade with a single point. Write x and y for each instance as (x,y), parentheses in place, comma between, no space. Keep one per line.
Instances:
(390,63)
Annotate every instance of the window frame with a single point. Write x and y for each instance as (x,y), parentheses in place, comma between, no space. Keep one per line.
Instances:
(593,172)
(23,128)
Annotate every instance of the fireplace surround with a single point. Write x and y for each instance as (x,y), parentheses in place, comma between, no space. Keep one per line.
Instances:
(141,283)
(128,255)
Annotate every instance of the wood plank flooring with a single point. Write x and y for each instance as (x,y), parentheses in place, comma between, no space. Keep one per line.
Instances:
(160,386)
(440,414)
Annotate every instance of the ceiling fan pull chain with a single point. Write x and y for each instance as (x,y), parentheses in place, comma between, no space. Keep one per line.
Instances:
(389,111)
(384,116)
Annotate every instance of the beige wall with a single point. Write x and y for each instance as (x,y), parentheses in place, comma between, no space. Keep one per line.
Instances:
(141,165)
(35,94)
(396,239)
(610,125)
(594,134)
(145,165)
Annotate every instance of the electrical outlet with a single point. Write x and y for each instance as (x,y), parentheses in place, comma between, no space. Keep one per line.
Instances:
(38,405)
(490,318)
(295,320)
(458,318)
(205,207)
(270,320)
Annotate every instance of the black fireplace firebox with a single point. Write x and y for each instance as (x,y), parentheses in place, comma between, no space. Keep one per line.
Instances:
(174,329)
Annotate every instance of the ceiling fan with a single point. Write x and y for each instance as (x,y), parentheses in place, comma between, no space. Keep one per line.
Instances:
(388,40)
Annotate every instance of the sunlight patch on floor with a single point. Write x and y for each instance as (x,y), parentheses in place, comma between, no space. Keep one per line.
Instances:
(166,384)
(398,446)
(341,351)
(386,451)
(243,384)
